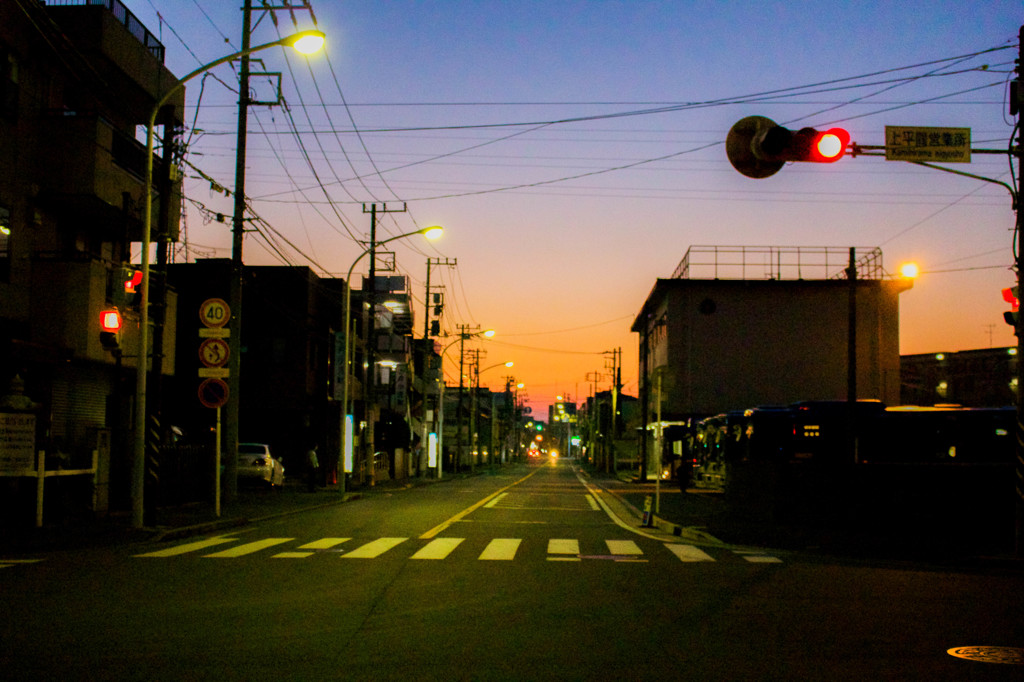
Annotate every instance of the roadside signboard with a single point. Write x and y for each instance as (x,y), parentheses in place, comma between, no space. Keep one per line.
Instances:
(17,442)
(214,351)
(916,143)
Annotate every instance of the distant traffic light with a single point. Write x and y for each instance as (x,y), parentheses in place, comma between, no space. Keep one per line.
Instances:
(758,147)
(110,329)
(132,278)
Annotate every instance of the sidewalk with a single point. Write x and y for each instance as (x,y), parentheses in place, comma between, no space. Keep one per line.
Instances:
(703,517)
(250,506)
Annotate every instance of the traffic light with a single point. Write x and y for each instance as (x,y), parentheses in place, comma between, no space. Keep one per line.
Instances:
(110,329)
(132,279)
(758,147)
(1010,296)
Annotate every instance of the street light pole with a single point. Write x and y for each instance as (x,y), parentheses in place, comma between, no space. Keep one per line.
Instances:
(300,42)
(462,337)
(430,233)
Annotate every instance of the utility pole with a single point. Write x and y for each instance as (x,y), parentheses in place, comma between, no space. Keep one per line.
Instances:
(426,298)
(370,399)
(464,333)
(851,362)
(1016,101)
(232,408)
(474,389)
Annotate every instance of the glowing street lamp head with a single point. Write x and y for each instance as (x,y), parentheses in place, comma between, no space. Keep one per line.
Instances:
(909,270)
(433,232)
(307,42)
(489,333)
(509,363)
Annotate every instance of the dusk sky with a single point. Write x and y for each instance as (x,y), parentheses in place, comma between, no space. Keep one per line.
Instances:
(574,151)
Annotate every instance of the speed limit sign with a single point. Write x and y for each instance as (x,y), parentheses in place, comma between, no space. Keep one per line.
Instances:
(214,312)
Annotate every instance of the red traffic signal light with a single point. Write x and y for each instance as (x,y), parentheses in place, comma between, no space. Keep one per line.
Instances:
(758,147)
(110,328)
(110,320)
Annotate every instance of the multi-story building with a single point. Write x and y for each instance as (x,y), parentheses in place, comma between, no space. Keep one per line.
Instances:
(739,327)
(77,81)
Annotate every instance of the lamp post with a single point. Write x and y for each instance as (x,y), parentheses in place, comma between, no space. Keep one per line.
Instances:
(462,337)
(306,42)
(473,424)
(431,233)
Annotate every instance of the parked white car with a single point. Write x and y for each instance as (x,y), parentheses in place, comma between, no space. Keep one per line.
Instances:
(256,465)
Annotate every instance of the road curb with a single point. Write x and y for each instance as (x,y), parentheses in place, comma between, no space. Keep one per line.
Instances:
(672,531)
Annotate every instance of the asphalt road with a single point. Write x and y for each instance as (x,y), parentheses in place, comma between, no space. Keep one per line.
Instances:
(530,574)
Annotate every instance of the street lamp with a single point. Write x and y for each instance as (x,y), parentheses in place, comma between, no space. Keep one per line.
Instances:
(462,337)
(473,425)
(909,270)
(431,233)
(305,42)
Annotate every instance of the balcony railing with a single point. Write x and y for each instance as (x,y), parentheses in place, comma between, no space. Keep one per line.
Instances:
(123,15)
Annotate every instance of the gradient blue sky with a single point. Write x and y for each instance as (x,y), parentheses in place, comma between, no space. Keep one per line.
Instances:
(471,112)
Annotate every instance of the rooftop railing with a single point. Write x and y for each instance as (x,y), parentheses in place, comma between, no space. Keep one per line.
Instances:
(778,262)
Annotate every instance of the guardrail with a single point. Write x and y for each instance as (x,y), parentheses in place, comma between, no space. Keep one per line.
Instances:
(40,473)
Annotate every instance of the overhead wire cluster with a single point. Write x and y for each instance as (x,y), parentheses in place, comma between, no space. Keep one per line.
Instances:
(339,175)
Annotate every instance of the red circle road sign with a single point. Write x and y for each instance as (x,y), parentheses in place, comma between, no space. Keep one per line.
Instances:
(213,393)
(214,352)
(214,312)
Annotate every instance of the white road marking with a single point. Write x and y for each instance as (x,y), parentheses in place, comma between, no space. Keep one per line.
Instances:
(374,549)
(592,502)
(247,548)
(495,501)
(438,548)
(500,549)
(689,552)
(623,547)
(188,547)
(324,543)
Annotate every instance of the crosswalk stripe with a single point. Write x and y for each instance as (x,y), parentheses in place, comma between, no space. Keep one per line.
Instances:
(324,543)
(689,553)
(495,501)
(247,548)
(188,547)
(622,547)
(438,548)
(374,549)
(497,549)
(563,546)
(564,550)
(500,549)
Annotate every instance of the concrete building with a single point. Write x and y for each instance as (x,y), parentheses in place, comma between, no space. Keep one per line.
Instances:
(737,327)
(77,80)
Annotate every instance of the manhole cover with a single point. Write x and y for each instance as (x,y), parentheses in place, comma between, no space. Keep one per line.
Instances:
(989,654)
